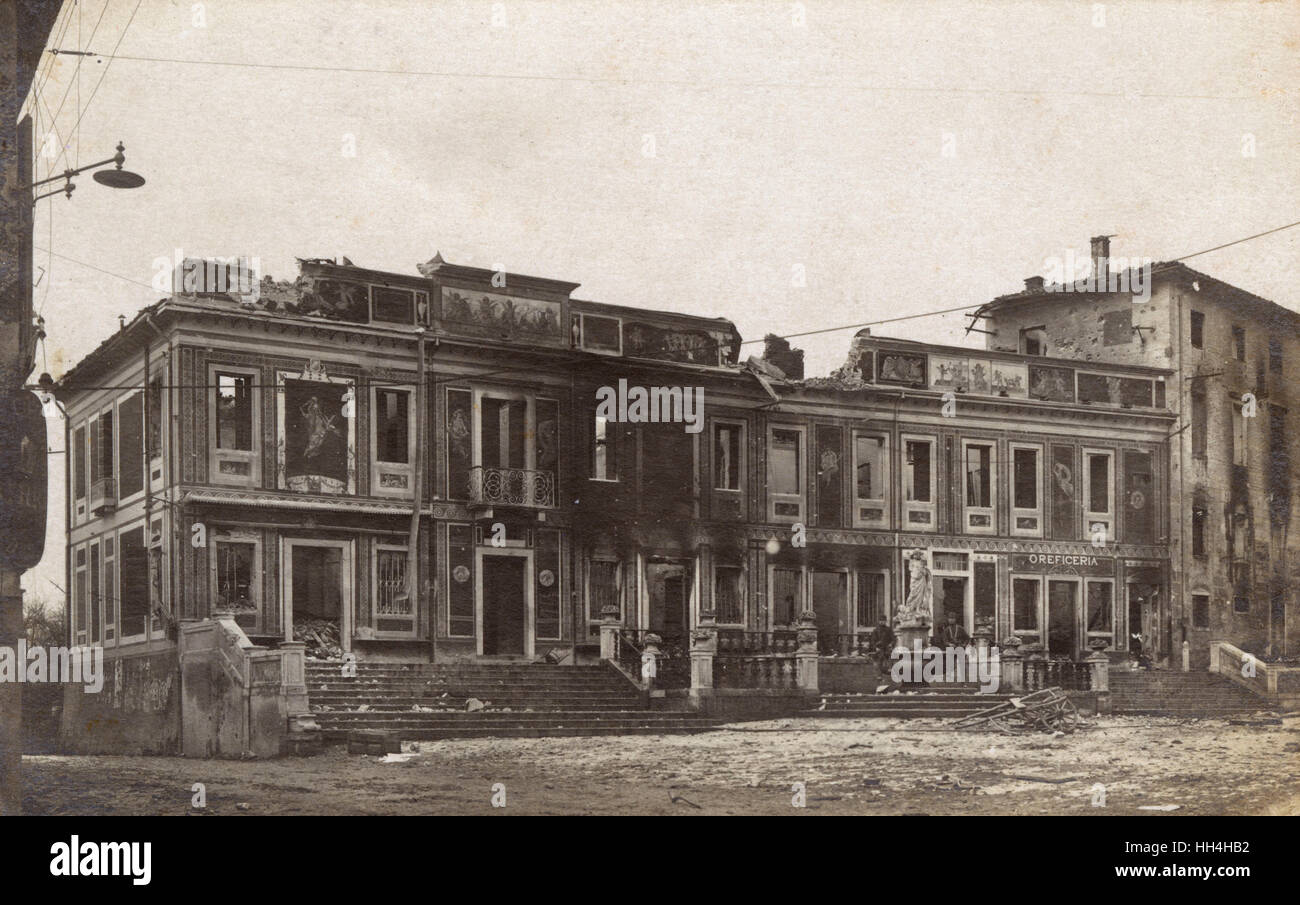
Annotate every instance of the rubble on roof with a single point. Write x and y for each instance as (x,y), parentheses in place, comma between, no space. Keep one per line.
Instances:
(847,376)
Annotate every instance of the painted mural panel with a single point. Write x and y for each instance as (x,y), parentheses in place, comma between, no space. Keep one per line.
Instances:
(316,441)
(830,476)
(505,316)
(1112,390)
(1011,378)
(650,341)
(949,373)
(460,424)
(897,367)
(1052,384)
(1065,494)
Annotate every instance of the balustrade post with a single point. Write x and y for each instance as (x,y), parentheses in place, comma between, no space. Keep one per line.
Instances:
(1035,666)
(1099,669)
(807,656)
(610,623)
(704,647)
(1013,665)
(650,660)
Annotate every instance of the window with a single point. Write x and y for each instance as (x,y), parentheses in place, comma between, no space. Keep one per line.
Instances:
(986,592)
(547,580)
(1238,434)
(978,477)
(395,306)
(80,597)
(1026,594)
(130,446)
(1033,341)
(101,449)
(1198,330)
(110,584)
(1239,343)
(1200,416)
(1241,604)
(603,584)
(870,481)
(235,562)
(726,456)
(133,583)
(1100,609)
(233,425)
(1099,493)
(155,413)
(785,474)
(79,462)
(918,483)
(1200,611)
(1199,516)
(872,606)
(728,603)
(787,596)
(1275,354)
(1026,491)
(604,454)
(234,411)
(392,426)
(394,605)
(96,593)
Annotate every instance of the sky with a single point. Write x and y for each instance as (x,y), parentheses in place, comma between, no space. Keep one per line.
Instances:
(790,166)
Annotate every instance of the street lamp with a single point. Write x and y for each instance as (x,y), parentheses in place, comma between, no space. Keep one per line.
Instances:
(116,178)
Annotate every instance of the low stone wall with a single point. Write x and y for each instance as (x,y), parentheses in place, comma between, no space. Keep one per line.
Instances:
(138,711)
(843,675)
(740,704)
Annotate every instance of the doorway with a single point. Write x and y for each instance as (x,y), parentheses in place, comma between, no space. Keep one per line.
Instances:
(829,594)
(1063,618)
(318,589)
(668,589)
(505,626)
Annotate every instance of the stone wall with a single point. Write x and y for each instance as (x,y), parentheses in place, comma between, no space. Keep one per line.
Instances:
(136,712)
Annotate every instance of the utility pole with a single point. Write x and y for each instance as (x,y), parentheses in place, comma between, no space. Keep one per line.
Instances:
(25,27)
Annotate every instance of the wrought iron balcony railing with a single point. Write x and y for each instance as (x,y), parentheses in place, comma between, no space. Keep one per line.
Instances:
(527,487)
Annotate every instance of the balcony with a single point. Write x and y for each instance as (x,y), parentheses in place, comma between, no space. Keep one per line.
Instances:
(527,488)
(103,495)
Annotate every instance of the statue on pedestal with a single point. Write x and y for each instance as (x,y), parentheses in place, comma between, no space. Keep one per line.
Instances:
(918,610)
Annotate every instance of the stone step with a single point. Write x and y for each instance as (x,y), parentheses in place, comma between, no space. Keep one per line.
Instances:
(434,734)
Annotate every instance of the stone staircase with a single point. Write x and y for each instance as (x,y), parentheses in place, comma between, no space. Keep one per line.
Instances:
(1170,693)
(415,702)
(946,701)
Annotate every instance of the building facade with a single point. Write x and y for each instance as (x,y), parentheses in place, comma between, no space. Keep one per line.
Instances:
(1232,453)
(419,467)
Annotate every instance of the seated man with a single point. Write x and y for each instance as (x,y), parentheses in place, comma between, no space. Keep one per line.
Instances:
(952,633)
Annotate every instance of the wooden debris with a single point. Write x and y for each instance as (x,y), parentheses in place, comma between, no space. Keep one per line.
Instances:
(1046,710)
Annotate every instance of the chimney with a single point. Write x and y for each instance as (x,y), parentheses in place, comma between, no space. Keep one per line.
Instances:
(777,351)
(1100,256)
(1033,284)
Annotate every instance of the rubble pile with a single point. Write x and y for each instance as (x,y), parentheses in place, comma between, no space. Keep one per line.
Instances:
(321,637)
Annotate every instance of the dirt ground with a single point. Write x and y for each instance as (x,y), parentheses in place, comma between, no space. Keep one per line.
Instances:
(846,766)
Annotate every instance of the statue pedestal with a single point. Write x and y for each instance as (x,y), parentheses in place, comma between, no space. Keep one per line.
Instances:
(912,639)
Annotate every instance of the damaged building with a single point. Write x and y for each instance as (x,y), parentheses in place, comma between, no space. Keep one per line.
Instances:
(413,469)
(1232,461)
